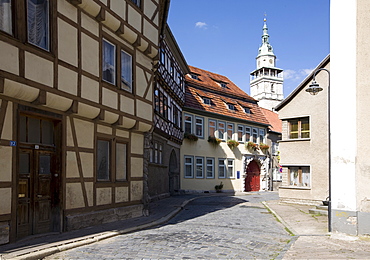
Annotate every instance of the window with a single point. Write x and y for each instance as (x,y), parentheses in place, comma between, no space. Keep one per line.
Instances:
(254,135)
(194,76)
(223,85)
(6,16)
(230,131)
(230,168)
(247,110)
(262,135)
(299,128)
(211,127)
(156,100)
(299,176)
(275,148)
(199,126)
(221,168)
(207,101)
(109,62)
(126,71)
(156,153)
(103,160)
(247,133)
(188,167)
(230,106)
(121,161)
(38,23)
(188,124)
(199,167)
(210,168)
(136,2)
(221,130)
(240,133)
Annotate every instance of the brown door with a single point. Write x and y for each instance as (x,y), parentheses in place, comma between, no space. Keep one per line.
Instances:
(252,181)
(38,181)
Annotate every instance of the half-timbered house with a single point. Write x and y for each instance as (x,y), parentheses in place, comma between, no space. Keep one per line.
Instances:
(76,99)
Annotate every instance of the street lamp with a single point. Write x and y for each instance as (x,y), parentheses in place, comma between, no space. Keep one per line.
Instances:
(314,89)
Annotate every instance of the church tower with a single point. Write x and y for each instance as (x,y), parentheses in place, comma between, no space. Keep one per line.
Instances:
(266,82)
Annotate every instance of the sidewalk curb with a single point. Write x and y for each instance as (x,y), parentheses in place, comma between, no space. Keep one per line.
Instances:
(280,219)
(59,247)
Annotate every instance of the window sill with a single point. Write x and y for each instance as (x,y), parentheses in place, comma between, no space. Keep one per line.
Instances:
(294,188)
(295,140)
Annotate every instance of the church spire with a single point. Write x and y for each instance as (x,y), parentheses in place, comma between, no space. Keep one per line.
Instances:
(265,48)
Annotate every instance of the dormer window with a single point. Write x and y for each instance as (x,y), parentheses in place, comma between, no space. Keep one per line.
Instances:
(223,85)
(230,106)
(194,76)
(207,101)
(247,110)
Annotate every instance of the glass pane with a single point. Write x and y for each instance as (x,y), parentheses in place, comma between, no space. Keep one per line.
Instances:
(23,129)
(24,163)
(121,162)
(230,131)
(47,132)
(126,71)
(6,16)
(44,164)
(293,176)
(102,161)
(188,171)
(305,128)
(293,129)
(306,176)
(38,23)
(109,62)
(33,130)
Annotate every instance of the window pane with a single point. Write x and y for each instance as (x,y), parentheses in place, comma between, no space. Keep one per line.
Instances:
(254,135)
(221,130)
(121,162)
(188,167)
(47,132)
(199,168)
(221,168)
(305,128)
(212,128)
(230,168)
(199,126)
(240,133)
(306,176)
(210,168)
(262,136)
(33,130)
(109,62)
(103,161)
(230,131)
(188,124)
(126,71)
(44,164)
(6,16)
(294,176)
(247,134)
(293,129)
(24,163)
(38,23)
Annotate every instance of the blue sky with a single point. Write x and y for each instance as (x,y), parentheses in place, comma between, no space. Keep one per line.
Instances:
(224,36)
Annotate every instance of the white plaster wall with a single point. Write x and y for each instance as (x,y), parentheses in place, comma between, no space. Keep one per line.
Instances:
(343,103)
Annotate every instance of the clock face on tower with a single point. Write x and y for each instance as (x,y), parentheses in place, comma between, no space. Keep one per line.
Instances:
(270,61)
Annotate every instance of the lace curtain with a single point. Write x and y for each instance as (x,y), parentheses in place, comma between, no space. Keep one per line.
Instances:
(126,71)
(38,23)
(6,16)
(109,62)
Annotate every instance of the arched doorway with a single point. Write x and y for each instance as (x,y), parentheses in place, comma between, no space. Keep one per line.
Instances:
(252,180)
(174,174)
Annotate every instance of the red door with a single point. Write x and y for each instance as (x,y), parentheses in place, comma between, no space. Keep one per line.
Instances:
(252,181)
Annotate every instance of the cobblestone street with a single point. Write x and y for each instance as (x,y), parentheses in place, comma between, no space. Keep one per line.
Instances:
(226,227)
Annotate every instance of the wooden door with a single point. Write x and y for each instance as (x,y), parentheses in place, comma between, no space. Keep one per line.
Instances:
(252,180)
(38,177)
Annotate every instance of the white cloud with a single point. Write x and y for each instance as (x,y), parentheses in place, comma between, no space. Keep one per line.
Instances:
(201,25)
(296,74)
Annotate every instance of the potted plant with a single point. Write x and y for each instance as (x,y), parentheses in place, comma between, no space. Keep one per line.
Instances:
(264,147)
(190,137)
(219,187)
(232,143)
(213,140)
(252,145)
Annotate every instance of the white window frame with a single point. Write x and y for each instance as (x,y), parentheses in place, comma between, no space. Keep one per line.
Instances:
(191,165)
(214,127)
(262,134)
(199,167)
(254,135)
(223,168)
(232,131)
(232,167)
(241,132)
(201,125)
(305,177)
(188,122)
(221,136)
(114,62)
(212,166)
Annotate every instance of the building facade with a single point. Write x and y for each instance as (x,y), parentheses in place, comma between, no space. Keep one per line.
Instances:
(349,96)
(220,120)
(304,144)
(169,99)
(266,81)
(76,99)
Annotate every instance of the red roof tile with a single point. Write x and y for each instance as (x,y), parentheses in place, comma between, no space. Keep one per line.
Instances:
(206,86)
(273,118)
